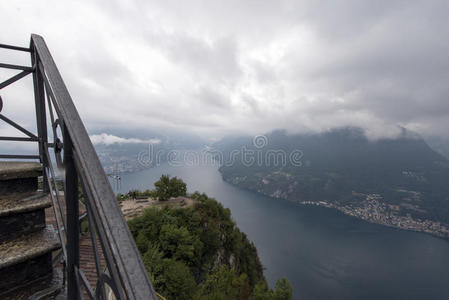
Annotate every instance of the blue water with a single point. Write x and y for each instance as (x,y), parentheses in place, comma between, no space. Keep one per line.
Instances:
(323,253)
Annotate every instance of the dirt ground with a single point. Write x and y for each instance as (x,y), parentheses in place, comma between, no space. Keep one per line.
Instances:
(131,208)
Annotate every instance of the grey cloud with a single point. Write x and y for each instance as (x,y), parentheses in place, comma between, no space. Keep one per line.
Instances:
(210,97)
(103,67)
(250,102)
(216,59)
(393,66)
(214,67)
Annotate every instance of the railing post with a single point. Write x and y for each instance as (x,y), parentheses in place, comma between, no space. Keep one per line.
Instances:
(39,97)
(71,198)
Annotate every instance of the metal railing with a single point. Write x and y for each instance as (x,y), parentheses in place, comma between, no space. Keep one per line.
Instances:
(74,154)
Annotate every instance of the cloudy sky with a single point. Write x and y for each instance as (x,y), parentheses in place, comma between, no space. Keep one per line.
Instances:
(213,68)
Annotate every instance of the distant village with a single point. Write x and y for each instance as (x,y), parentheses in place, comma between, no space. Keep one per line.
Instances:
(374,211)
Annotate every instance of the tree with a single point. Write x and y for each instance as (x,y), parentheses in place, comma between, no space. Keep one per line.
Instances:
(167,187)
(262,292)
(153,261)
(176,242)
(177,187)
(163,188)
(176,281)
(224,284)
(283,290)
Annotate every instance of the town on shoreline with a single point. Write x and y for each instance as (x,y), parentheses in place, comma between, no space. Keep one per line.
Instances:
(374,211)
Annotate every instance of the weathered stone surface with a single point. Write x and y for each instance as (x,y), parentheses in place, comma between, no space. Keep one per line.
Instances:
(18,185)
(22,213)
(13,226)
(26,243)
(18,176)
(16,203)
(25,273)
(15,170)
(47,287)
(28,247)
(27,260)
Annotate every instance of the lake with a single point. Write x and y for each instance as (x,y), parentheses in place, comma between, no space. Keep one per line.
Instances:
(323,253)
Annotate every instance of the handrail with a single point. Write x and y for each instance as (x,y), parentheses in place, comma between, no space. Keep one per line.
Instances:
(125,266)
(125,273)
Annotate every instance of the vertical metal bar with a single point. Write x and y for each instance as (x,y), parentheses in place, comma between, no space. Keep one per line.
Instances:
(71,198)
(100,284)
(59,224)
(39,97)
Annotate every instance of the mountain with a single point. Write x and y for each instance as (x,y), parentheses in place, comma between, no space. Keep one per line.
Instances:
(440,145)
(399,182)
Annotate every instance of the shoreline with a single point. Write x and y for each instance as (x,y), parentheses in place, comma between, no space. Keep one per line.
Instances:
(442,234)
(374,212)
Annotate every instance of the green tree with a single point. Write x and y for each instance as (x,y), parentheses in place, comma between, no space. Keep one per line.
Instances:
(177,187)
(176,242)
(262,292)
(153,261)
(163,188)
(283,289)
(167,187)
(175,281)
(225,284)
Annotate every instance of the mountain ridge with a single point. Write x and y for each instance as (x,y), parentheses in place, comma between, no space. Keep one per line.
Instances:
(388,181)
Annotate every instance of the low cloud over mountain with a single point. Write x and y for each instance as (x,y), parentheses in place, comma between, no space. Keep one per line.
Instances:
(215,68)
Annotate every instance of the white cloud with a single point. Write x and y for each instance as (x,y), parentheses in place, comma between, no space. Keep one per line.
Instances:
(218,67)
(109,139)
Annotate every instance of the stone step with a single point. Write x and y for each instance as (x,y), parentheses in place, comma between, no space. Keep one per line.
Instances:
(19,176)
(27,259)
(22,213)
(49,288)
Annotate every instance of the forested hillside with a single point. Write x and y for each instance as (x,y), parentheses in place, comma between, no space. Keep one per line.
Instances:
(198,252)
